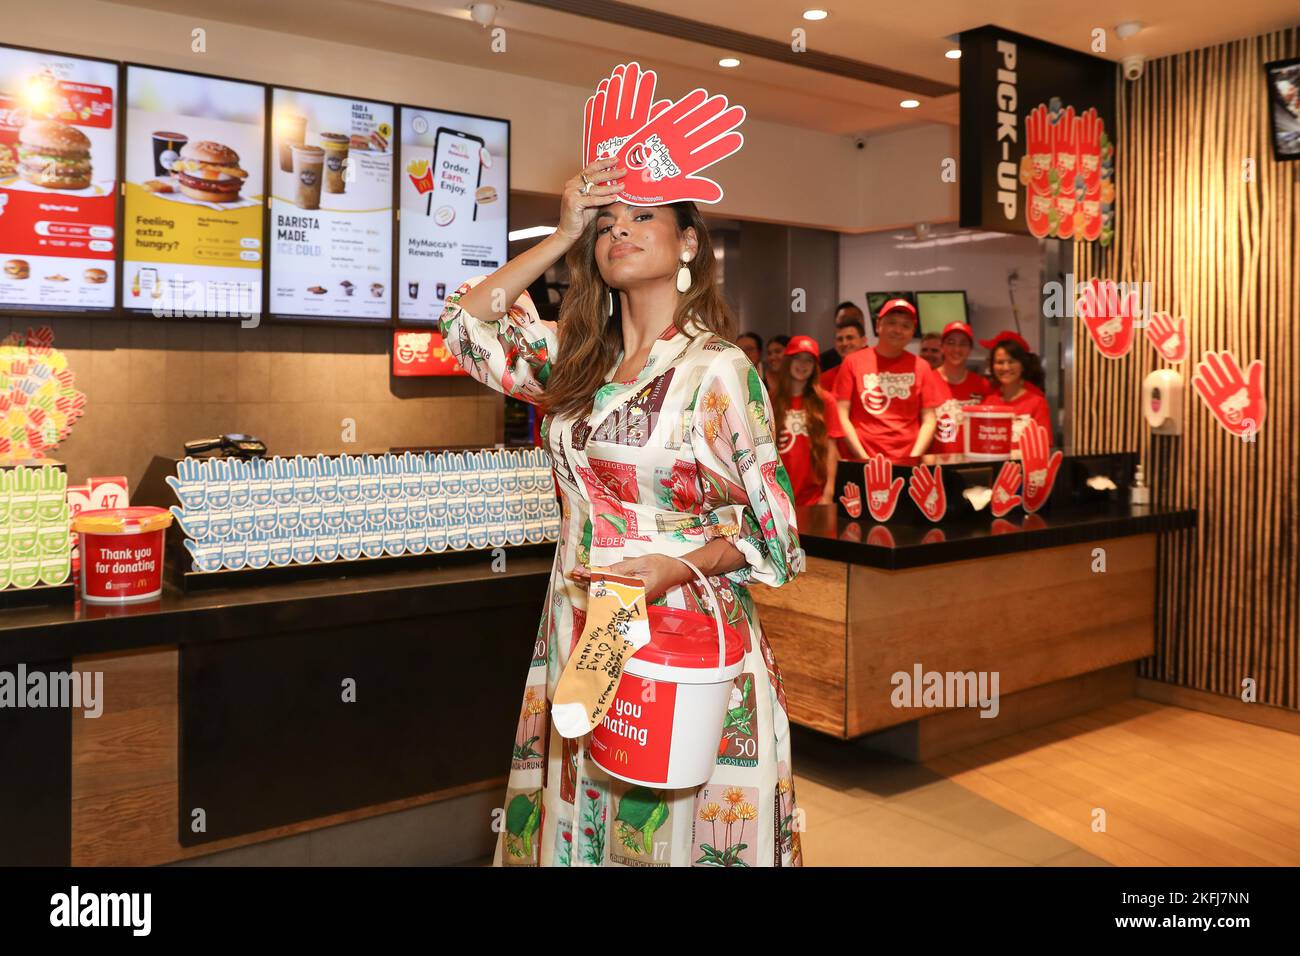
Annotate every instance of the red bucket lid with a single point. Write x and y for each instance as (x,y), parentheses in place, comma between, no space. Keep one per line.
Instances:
(686,639)
(122,520)
(1001,411)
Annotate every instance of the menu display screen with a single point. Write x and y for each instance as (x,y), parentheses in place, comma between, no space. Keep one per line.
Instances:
(331,207)
(192,225)
(58,181)
(453,186)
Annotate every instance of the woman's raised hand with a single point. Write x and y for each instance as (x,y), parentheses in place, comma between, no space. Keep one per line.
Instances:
(577,209)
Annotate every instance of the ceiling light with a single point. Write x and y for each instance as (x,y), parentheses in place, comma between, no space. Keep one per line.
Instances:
(815,14)
(730,62)
(532,232)
(910,104)
(1128,28)
(484,14)
(953,54)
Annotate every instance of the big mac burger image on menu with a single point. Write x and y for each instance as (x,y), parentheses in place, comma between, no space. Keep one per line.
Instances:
(54,155)
(209,172)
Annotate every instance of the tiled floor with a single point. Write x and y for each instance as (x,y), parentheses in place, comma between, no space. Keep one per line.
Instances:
(867,809)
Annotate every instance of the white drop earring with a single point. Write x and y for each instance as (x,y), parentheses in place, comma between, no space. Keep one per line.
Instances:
(609,301)
(684,274)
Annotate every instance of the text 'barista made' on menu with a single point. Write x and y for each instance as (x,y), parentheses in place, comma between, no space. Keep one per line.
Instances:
(331,206)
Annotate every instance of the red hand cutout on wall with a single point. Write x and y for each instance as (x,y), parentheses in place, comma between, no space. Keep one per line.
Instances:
(1167,336)
(1108,311)
(1236,400)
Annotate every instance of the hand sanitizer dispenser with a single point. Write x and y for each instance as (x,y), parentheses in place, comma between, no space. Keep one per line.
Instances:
(1139,493)
(1162,401)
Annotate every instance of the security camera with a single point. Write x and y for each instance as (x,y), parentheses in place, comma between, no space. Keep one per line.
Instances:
(860,141)
(1133,66)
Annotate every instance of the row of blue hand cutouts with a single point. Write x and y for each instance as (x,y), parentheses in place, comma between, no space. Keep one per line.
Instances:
(356,515)
(260,549)
(215,483)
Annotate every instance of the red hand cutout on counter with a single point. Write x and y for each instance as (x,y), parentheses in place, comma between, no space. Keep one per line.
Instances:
(882,494)
(852,499)
(1040,467)
(927,491)
(1006,490)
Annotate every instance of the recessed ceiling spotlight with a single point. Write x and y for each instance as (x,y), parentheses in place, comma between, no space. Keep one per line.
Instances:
(1128,28)
(953,54)
(815,14)
(730,62)
(910,104)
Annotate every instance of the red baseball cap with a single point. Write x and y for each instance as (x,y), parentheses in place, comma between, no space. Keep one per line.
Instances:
(897,305)
(961,327)
(803,345)
(1006,336)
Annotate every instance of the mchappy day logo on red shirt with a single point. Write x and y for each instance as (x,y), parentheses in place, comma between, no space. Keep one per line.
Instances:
(881,388)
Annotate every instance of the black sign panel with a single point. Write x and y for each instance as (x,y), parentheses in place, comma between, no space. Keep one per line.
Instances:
(1037,137)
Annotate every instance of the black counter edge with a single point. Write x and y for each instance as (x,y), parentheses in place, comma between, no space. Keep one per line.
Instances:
(904,557)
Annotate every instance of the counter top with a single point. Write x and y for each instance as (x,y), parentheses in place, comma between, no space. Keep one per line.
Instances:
(825,533)
(32,634)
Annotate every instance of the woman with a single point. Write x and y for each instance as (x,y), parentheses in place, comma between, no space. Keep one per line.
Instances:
(658,431)
(810,424)
(773,357)
(964,388)
(751,343)
(1018,379)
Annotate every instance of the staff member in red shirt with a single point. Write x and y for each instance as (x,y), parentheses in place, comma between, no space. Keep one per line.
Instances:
(1018,382)
(887,394)
(810,423)
(964,388)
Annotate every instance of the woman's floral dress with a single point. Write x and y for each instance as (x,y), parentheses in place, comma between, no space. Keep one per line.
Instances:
(661,464)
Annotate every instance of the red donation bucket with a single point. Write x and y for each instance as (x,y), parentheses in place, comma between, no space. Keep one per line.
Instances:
(121,553)
(988,432)
(663,726)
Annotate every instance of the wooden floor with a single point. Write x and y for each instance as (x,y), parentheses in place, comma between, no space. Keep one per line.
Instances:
(1178,787)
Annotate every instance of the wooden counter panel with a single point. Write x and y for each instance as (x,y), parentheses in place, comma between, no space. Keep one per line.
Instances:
(810,652)
(1035,617)
(821,591)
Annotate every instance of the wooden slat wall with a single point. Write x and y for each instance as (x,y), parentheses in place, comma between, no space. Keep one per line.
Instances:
(1224,251)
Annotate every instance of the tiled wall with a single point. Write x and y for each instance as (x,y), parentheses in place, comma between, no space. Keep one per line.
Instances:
(153,384)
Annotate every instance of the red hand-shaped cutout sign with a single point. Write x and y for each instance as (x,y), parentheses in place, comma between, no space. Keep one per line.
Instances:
(882,494)
(1040,466)
(663,157)
(927,491)
(1108,310)
(1236,400)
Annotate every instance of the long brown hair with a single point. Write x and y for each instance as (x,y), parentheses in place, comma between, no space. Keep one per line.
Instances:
(591,337)
(814,409)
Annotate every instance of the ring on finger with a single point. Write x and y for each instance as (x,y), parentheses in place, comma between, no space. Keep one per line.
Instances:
(585,179)
(585,189)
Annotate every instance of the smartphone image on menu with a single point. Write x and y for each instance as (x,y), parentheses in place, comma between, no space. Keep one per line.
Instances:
(457,170)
